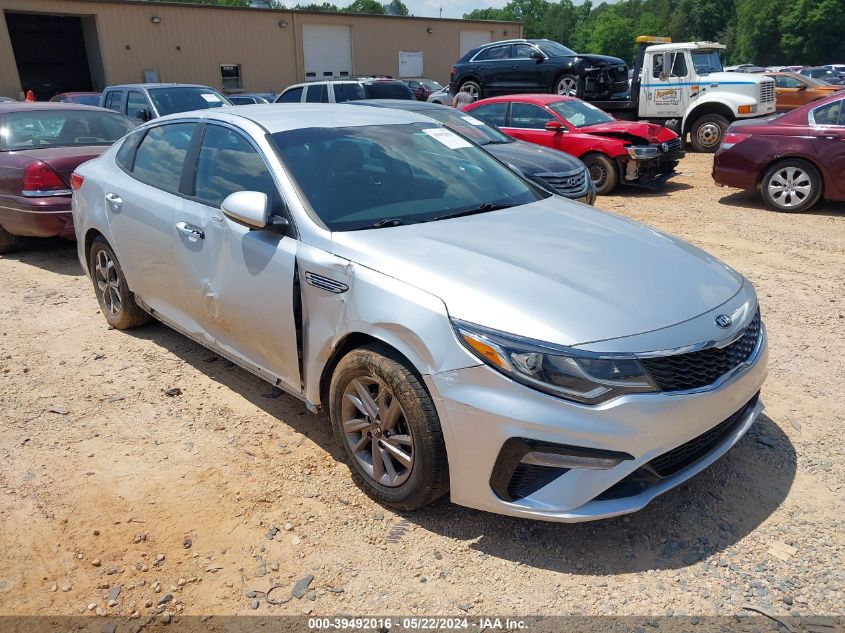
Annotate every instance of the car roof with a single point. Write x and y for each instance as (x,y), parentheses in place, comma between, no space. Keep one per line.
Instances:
(281,117)
(690,46)
(157,85)
(401,104)
(76,93)
(13,106)
(540,99)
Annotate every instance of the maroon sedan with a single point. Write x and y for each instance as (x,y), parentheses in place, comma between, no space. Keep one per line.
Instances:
(40,146)
(84,98)
(793,159)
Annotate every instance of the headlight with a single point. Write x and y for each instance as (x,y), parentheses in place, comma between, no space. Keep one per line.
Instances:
(568,373)
(642,151)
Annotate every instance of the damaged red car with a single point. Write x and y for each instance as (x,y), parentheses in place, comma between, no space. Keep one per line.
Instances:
(616,152)
(40,146)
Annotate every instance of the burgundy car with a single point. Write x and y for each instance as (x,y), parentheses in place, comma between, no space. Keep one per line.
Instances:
(793,159)
(40,146)
(84,98)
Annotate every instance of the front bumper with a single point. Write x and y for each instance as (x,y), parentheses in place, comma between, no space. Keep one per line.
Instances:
(37,217)
(481,410)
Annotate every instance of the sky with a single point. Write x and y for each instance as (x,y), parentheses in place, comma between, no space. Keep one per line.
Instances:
(451,8)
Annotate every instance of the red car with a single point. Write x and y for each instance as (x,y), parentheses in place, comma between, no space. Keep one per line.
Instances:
(793,159)
(614,151)
(40,146)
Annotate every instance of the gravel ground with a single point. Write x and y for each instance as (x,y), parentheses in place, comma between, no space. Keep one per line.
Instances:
(116,489)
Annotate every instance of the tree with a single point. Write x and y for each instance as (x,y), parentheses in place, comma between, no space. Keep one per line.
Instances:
(812,31)
(612,34)
(396,7)
(370,7)
(325,7)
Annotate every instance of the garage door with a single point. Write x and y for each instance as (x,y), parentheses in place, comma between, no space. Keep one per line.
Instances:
(327,51)
(473,39)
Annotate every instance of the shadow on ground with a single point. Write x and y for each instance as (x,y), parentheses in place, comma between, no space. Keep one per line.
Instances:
(695,521)
(53,255)
(749,200)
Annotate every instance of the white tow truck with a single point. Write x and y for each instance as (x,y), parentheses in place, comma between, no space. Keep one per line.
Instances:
(684,87)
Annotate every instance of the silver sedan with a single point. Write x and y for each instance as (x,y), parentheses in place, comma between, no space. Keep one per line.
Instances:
(466,331)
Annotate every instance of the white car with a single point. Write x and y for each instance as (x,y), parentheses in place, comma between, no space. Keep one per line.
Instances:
(466,331)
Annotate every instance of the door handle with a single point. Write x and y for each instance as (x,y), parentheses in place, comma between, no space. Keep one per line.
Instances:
(114,201)
(190,230)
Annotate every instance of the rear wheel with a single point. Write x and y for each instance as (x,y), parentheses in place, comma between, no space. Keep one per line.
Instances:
(707,132)
(791,186)
(385,422)
(473,88)
(603,172)
(117,302)
(9,242)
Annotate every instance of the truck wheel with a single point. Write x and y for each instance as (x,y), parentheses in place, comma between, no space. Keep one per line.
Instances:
(117,302)
(708,131)
(791,186)
(9,242)
(473,88)
(603,172)
(386,424)
(570,86)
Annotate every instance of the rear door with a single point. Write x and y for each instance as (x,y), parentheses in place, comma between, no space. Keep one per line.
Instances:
(237,283)
(141,203)
(827,125)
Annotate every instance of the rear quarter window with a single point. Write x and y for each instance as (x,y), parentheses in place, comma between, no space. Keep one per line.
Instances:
(161,156)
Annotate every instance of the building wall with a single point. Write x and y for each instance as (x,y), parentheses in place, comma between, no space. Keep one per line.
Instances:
(191,42)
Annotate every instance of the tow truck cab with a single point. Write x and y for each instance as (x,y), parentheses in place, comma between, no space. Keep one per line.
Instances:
(684,87)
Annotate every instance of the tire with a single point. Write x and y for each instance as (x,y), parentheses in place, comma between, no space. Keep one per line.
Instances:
(8,242)
(117,302)
(569,86)
(707,132)
(791,186)
(473,88)
(603,172)
(393,387)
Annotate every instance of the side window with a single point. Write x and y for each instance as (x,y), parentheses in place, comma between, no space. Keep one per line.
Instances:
(492,113)
(523,51)
(229,163)
(679,65)
(526,115)
(348,92)
(317,93)
(414,85)
(785,81)
(113,99)
(294,95)
(126,154)
(136,103)
(494,53)
(830,114)
(161,155)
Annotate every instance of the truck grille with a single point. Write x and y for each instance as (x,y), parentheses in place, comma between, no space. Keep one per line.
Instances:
(572,185)
(699,369)
(767,91)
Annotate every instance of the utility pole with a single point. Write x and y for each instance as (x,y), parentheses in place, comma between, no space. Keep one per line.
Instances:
(441,13)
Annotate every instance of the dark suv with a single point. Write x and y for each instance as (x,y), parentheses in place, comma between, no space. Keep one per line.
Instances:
(513,66)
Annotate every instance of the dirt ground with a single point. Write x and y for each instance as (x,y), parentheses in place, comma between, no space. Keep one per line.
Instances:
(227,487)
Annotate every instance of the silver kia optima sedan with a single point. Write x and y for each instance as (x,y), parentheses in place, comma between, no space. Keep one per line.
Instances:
(465,331)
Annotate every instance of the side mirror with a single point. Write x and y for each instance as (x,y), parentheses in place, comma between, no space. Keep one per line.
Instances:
(250,208)
(144,115)
(538,56)
(554,126)
(666,71)
(801,87)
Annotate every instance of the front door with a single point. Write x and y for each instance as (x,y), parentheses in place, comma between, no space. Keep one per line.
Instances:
(493,65)
(789,92)
(666,96)
(526,71)
(238,282)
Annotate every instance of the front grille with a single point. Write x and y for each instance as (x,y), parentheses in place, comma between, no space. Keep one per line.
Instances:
(618,73)
(679,458)
(572,185)
(767,91)
(671,145)
(699,369)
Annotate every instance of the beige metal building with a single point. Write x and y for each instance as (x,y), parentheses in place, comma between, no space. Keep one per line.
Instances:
(53,46)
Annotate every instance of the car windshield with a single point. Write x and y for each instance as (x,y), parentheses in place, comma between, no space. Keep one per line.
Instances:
(467,126)
(579,113)
(64,128)
(553,49)
(431,85)
(385,175)
(185,99)
(387,90)
(815,82)
(706,62)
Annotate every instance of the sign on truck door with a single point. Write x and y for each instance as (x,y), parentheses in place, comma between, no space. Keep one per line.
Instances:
(666,94)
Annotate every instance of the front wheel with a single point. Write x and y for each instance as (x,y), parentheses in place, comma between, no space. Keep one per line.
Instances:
(473,88)
(386,424)
(707,132)
(603,172)
(791,186)
(117,302)
(569,86)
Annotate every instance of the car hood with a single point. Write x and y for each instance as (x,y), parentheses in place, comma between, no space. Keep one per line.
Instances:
(650,132)
(63,160)
(732,78)
(533,159)
(602,60)
(553,270)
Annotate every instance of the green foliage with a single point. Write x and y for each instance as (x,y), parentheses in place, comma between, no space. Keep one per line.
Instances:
(765,32)
(370,7)
(396,7)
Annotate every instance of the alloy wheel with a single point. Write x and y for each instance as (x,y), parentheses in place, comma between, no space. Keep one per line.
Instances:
(472,90)
(567,87)
(790,187)
(377,431)
(108,283)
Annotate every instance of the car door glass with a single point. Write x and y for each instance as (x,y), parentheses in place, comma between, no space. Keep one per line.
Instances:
(783,81)
(494,53)
(679,66)
(161,155)
(294,95)
(523,51)
(228,163)
(829,114)
(113,100)
(529,116)
(136,103)
(492,113)
(317,94)
(348,92)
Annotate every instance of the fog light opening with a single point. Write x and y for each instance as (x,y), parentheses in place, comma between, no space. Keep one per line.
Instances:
(556,460)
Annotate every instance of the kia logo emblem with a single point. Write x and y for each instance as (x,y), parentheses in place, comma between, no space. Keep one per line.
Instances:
(723,321)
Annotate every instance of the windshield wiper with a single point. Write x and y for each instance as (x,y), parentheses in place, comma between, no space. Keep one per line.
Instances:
(381,224)
(481,208)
